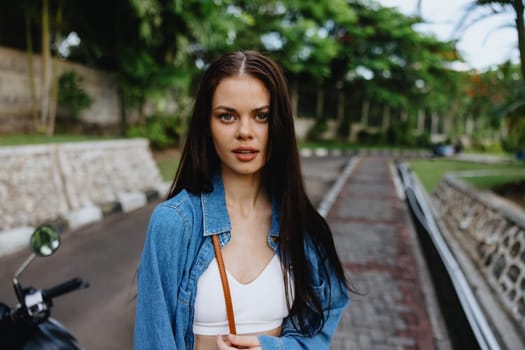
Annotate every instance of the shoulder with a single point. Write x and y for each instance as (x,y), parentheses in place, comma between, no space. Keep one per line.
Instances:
(175,214)
(182,204)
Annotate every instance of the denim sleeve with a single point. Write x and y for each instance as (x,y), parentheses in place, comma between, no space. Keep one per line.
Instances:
(292,339)
(158,279)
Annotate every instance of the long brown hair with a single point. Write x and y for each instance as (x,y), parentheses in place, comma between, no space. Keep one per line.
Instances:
(299,220)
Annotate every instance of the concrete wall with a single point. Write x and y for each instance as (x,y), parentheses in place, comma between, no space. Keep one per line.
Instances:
(492,232)
(303,125)
(74,183)
(15,93)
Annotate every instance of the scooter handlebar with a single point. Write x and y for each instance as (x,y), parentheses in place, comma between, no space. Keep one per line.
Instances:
(66,287)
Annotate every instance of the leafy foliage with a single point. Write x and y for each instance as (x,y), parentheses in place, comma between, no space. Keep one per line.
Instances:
(162,130)
(355,50)
(71,95)
(317,130)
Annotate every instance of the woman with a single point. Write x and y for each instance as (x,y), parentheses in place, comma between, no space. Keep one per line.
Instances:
(239,178)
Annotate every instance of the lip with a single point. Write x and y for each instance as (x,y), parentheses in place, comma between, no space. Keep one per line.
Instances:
(245,154)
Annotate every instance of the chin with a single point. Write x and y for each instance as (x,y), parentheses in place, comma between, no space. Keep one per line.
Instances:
(245,171)
(249,172)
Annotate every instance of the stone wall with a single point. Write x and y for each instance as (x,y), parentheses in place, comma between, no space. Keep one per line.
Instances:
(15,93)
(74,183)
(492,232)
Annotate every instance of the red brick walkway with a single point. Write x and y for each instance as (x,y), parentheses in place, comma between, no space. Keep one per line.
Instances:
(375,241)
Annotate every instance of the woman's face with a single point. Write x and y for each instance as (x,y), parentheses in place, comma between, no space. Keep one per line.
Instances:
(240,113)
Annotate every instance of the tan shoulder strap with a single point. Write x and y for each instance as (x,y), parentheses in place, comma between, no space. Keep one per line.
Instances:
(225,285)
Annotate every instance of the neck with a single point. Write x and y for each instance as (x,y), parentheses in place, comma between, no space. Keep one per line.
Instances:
(244,193)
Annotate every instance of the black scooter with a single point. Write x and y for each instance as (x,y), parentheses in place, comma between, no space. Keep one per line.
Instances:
(29,326)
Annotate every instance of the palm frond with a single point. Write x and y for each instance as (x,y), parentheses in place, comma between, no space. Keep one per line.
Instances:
(466,20)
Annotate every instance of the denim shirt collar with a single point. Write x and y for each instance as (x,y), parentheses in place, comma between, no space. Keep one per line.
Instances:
(215,214)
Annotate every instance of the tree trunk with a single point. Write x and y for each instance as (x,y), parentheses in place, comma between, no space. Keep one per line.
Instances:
(479,126)
(469,126)
(31,72)
(404,115)
(434,124)
(320,104)
(45,82)
(446,126)
(53,98)
(460,124)
(418,8)
(421,122)
(386,118)
(294,97)
(520,26)
(53,95)
(142,112)
(340,106)
(365,110)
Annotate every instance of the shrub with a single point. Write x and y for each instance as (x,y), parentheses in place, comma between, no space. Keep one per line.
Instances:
(366,137)
(399,134)
(317,130)
(423,140)
(343,129)
(71,95)
(162,131)
(515,141)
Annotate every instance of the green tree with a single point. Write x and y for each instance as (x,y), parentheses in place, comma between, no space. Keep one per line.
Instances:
(71,95)
(512,107)
(36,26)
(384,60)
(153,47)
(296,34)
(358,50)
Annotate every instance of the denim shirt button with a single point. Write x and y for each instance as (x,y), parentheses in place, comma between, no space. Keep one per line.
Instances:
(275,239)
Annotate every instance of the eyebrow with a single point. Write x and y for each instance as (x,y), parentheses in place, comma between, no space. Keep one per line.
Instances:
(229,109)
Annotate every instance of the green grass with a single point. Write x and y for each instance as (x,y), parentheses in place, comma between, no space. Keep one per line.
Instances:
(495,148)
(487,182)
(18,140)
(167,168)
(325,144)
(431,171)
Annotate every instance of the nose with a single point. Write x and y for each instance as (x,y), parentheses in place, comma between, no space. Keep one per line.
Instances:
(244,132)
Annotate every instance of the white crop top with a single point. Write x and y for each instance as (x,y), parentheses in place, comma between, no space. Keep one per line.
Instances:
(258,306)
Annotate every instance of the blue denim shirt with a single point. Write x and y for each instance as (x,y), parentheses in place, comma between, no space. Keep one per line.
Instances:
(178,249)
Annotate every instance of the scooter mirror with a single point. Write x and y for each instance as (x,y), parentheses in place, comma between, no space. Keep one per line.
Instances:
(45,240)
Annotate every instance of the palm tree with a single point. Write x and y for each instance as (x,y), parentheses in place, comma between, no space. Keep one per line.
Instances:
(497,7)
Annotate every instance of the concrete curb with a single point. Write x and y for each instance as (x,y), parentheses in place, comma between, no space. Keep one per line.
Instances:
(17,238)
(325,152)
(331,196)
(83,216)
(14,239)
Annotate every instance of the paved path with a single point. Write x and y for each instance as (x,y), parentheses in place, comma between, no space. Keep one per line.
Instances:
(106,254)
(372,232)
(377,245)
